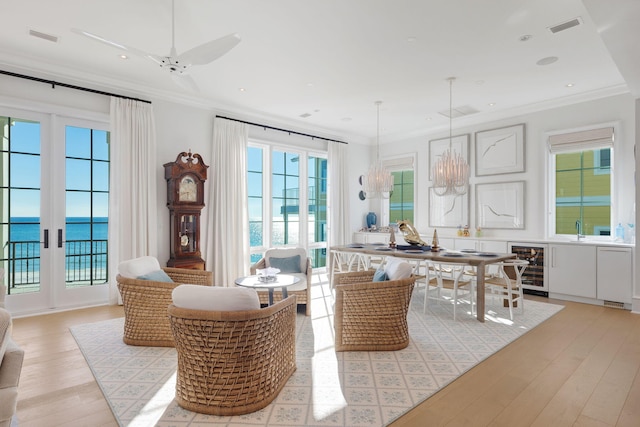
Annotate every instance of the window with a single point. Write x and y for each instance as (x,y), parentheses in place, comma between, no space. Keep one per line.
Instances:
(401,204)
(401,201)
(279,183)
(582,190)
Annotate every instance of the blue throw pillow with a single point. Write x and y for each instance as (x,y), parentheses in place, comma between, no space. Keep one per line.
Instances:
(286,265)
(380,275)
(156,276)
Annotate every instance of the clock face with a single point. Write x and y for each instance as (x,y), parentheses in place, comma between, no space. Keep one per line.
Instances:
(188,189)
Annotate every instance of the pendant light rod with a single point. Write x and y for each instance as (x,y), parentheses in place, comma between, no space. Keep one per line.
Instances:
(378,103)
(451,80)
(378,182)
(451,170)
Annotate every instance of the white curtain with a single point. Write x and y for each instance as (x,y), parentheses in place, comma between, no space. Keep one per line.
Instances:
(133,181)
(227,236)
(338,188)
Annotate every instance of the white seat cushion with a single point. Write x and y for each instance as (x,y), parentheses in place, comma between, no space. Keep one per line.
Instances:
(215,298)
(136,267)
(397,269)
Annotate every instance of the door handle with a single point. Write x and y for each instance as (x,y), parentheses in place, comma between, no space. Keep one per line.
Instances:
(46,238)
(59,237)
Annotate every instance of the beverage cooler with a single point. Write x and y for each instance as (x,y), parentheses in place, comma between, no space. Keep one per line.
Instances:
(536,277)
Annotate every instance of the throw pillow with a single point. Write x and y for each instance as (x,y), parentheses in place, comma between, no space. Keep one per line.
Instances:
(380,275)
(286,265)
(397,269)
(156,276)
(215,298)
(138,266)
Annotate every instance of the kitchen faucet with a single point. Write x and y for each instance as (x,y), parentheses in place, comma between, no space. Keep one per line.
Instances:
(579,230)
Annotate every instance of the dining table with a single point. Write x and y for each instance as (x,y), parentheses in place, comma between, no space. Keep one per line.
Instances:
(477,259)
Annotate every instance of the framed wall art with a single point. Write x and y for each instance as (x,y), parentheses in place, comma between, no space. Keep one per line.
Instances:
(500,150)
(500,205)
(437,147)
(448,211)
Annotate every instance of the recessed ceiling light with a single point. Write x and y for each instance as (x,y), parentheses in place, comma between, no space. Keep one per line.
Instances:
(241,89)
(479,82)
(411,39)
(305,115)
(525,37)
(569,85)
(309,84)
(491,104)
(123,56)
(547,60)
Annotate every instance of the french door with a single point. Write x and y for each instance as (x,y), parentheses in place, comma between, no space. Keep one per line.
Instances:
(54,220)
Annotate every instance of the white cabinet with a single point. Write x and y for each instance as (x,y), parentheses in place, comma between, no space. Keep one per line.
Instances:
(480,245)
(572,270)
(465,243)
(615,274)
(374,237)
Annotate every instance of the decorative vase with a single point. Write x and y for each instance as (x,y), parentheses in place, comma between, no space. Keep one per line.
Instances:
(371,219)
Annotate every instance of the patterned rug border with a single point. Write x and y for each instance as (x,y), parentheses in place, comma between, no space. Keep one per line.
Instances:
(328,388)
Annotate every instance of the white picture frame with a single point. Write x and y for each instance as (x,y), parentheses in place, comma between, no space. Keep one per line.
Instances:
(437,147)
(500,205)
(500,151)
(448,211)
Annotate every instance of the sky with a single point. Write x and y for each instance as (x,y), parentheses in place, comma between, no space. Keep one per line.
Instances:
(26,164)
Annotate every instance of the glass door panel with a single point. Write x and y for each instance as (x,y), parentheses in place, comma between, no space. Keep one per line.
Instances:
(86,209)
(21,194)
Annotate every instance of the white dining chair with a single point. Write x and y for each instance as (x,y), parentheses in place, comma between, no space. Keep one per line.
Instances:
(442,276)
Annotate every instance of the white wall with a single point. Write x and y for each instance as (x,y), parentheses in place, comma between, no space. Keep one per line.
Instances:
(181,127)
(613,109)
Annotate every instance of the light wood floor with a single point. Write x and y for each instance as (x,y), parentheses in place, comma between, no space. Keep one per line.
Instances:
(580,368)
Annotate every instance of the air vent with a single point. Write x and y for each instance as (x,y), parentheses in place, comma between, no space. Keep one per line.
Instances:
(305,115)
(43,36)
(613,304)
(566,25)
(464,110)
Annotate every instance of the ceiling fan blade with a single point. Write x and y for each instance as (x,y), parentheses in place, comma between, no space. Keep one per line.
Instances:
(185,81)
(155,58)
(210,51)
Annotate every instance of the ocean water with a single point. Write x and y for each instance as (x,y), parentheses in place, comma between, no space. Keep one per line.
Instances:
(25,233)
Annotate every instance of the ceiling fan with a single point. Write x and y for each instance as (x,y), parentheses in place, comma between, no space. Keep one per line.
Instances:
(177,65)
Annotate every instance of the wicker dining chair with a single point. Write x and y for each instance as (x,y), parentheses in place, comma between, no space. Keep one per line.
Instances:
(371,316)
(145,305)
(233,362)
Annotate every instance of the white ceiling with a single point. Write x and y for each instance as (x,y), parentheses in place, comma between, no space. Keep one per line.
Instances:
(333,59)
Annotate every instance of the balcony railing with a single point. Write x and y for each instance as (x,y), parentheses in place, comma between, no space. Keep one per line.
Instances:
(86,263)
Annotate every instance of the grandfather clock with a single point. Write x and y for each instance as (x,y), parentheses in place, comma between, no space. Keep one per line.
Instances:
(185,199)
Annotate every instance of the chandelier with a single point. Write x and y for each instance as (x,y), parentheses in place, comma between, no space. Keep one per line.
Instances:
(451,171)
(378,182)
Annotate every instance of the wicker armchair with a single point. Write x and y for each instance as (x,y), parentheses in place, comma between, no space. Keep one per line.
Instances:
(145,305)
(233,362)
(302,289)
(371,316)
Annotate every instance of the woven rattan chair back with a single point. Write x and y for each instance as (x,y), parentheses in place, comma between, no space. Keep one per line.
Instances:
(371,316)
(233,362)
(145,305)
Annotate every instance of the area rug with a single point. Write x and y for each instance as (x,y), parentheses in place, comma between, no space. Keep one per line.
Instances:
(328,388)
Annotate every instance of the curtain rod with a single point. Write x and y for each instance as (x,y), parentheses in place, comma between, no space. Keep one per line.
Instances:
(54,84)
(282,130)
